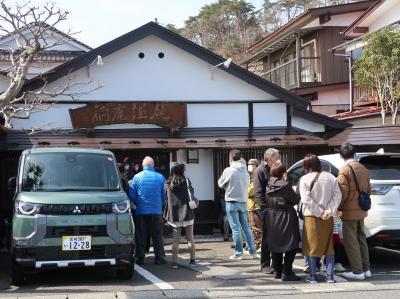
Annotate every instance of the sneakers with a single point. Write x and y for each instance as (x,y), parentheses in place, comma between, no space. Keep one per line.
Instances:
(351,275)
(255,255)
(192,263)
(368,274)
(330,279)
(235,257)
(174,266)
(311,279)
(267,270)
(339,267)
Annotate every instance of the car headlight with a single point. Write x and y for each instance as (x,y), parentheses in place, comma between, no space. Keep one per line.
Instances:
(380,189)
(27,208)
(122,207)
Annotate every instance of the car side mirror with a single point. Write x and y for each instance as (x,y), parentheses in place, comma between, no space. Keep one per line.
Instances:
(12,183)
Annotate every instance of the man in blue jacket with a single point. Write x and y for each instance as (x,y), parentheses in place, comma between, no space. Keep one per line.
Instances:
(148,194)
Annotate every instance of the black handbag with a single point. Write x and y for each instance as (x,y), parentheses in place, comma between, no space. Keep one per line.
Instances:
(364,199)
(300,205)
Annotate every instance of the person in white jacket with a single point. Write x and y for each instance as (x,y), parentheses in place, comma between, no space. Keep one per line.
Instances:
(235,180)
(320,199)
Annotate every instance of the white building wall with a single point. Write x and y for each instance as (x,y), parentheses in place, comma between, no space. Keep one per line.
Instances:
(217,115)
(201,175)
(198,115)
(269,115)
(342,20)
(307,125)
(179,76)
(387,13)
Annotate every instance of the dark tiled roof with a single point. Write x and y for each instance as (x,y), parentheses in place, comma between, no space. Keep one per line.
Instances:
(159,138)
(367,136)
(47,55)
(357,113)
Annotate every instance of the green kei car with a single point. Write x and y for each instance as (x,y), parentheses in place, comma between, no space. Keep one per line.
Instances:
(70,211)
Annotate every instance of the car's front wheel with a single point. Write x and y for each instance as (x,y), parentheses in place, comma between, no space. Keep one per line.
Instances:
(126,272)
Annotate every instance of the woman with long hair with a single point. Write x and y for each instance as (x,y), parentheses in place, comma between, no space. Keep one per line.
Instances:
(320,198)
(177,213)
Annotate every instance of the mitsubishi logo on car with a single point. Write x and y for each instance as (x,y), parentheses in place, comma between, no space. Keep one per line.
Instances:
(76,210)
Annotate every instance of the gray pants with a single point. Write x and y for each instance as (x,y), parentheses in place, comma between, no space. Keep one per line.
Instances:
(355,244)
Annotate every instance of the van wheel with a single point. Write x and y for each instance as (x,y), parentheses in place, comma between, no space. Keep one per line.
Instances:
(18,276)
(126,272)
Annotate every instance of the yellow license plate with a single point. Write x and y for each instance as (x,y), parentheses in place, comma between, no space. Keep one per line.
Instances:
(70,243)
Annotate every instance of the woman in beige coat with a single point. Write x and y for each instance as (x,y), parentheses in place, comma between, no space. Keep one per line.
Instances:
(320,198)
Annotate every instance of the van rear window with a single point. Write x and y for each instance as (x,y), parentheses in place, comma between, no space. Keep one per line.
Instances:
(384,167)
(69,172)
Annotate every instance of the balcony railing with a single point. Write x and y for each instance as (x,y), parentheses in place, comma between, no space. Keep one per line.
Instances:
(361,94)
(286,76)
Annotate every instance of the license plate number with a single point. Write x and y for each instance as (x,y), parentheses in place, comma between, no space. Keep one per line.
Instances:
(69,243)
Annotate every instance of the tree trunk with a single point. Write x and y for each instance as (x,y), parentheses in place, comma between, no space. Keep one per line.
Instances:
(383,114)
(394,116)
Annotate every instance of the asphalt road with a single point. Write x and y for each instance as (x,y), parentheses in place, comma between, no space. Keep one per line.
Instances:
(215,276)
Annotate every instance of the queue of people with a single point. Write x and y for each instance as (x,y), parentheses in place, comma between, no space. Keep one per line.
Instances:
(260,205)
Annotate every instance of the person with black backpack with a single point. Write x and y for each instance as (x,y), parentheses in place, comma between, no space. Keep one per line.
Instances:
(354,183)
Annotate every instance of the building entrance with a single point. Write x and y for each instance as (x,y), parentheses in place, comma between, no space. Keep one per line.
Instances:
(134,159)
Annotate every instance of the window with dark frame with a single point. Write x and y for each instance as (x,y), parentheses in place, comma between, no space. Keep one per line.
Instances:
(192,156)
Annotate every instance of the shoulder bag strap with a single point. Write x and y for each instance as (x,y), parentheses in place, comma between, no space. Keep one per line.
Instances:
(355,178)
(314,181)
(188,190)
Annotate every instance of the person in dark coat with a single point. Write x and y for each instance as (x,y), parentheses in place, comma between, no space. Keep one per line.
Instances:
(260,181)
(283,225)
(178,213)
(124,179)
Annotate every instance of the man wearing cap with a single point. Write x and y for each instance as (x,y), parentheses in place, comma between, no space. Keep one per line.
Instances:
(255,213)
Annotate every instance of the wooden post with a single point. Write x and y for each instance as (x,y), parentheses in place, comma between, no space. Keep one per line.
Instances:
(298,61)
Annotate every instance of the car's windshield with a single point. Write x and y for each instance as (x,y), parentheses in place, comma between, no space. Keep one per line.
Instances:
(69,172)
(382,167)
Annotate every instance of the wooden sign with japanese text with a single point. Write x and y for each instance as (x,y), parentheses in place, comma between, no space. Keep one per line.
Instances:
(166,115)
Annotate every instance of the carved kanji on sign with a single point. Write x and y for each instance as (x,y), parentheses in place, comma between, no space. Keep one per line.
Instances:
(166,115)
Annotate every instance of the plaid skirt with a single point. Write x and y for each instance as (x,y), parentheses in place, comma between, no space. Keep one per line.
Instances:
(317,237)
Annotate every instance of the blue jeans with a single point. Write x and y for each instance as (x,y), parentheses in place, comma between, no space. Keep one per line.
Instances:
(237,217)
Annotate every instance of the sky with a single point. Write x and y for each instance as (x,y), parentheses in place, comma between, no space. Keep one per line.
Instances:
(99,21)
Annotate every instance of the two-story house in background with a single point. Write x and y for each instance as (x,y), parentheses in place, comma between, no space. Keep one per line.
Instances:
(68,49)
(297,57)
(382,14)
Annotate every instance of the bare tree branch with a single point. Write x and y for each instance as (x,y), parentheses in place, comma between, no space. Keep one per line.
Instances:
(32,27)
